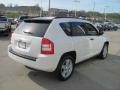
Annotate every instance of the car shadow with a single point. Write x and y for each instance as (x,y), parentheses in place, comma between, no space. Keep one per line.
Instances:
(4,38)
(78,81)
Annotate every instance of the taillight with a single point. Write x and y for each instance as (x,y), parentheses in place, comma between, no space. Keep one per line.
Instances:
(47,46)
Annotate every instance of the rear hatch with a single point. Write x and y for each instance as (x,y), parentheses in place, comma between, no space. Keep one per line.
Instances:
(27,37)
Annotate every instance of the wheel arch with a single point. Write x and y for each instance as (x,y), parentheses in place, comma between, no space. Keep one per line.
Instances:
(107,42)
(71,53)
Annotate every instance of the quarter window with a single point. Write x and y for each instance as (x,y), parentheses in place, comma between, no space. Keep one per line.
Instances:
(66,28)
(77,30)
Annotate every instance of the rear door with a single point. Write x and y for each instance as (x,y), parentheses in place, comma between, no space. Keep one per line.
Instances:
(27,37)
(94,39)
(81,42)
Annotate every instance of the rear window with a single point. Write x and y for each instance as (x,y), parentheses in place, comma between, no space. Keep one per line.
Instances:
(3,19)
(33,28)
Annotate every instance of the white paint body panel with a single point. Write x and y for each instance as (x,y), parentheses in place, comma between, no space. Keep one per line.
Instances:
(82,45)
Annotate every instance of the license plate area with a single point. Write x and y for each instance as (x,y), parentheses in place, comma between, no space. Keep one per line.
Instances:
(22,44)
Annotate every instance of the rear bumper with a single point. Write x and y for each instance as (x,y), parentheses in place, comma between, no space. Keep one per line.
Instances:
(21,55)
(42,62)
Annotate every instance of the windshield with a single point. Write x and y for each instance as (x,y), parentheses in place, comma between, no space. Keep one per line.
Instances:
(3,19)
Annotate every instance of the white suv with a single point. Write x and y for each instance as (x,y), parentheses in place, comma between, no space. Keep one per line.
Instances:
(56,44)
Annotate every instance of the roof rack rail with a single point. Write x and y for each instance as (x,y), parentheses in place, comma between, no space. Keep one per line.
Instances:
(67,17)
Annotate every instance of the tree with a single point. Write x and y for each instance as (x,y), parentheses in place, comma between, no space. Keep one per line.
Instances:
(16,5)
(2,5)
(10,5)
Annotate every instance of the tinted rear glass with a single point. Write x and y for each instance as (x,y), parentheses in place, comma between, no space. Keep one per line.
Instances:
(3,19)
(33,28)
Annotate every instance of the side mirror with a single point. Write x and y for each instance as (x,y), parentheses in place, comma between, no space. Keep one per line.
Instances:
(101,32)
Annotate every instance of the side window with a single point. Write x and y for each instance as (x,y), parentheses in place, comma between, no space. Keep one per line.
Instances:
(66,28)
(77,30)
(89,29)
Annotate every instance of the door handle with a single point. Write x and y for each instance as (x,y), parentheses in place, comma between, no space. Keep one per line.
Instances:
(92,39)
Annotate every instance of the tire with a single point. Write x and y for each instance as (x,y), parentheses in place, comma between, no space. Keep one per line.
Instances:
(65,68)
(6,33)
(104,53)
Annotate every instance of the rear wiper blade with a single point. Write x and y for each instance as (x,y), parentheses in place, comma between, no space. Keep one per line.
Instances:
(28,32)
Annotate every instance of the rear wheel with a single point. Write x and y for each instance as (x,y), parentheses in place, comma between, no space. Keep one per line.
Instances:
(65,68)
(104,52)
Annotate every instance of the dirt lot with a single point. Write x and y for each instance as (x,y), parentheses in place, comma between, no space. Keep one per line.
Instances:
(93,74)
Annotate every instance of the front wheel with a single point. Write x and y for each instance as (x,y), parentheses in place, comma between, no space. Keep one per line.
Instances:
(65,68)
(104,52)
